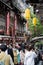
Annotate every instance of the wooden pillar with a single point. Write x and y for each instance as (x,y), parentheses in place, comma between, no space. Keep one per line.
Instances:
(27,26)
(12,35)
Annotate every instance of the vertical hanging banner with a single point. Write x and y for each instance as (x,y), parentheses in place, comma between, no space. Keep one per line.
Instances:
(8,22)
(15,24)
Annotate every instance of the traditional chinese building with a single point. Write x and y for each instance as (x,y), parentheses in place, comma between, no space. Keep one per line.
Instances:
(11,21)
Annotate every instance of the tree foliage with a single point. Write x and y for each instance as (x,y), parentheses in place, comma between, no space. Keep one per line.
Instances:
(36,30)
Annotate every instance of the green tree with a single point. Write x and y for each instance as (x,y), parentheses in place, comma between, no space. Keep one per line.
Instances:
(36,30)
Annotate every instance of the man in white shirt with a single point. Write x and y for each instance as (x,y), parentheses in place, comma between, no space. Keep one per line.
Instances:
(30,55)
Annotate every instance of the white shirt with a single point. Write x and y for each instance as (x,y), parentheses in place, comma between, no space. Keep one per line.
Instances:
(29,58)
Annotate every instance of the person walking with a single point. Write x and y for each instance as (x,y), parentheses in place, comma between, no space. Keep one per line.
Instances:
(9,51)
(5,59)
(16,55)
(22,53)
(30,55)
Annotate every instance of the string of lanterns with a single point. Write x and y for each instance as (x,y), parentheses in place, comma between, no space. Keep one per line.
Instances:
(27,16)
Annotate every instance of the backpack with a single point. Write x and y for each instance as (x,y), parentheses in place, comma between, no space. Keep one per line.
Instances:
(2,62)
(15,57)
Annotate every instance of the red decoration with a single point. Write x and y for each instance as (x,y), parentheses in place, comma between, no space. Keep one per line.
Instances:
(8,22)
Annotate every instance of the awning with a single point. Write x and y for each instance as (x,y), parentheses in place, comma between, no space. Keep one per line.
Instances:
(36,38)
(20,5)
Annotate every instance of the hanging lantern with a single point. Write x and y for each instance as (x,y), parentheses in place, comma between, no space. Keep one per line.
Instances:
(34,21)
(27,11)
(27,14)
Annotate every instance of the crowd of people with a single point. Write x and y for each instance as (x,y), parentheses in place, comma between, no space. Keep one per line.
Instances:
(19,54)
